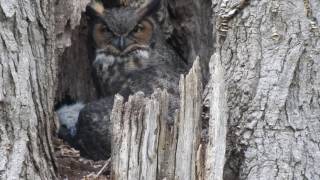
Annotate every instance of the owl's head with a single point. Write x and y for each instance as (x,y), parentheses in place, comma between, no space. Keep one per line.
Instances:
(125,43)
(120,31)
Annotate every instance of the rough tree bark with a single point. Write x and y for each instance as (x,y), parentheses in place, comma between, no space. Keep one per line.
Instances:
(263,95)
(271,57)
(33,35)
(27,77)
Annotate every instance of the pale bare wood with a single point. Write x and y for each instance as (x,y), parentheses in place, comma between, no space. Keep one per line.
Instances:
(216,147)
(189,124)
(146,145)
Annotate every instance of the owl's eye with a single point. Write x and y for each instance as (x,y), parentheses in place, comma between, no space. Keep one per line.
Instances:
(104,29)
(138,28)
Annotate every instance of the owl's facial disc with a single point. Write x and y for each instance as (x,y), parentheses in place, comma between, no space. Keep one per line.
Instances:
(121,40)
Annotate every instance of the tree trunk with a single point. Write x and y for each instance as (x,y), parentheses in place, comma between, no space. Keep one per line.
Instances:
(27,68)
(271,59)
(263,91)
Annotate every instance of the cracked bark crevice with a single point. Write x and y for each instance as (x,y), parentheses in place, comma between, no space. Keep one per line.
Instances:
(314,24)
(226,12)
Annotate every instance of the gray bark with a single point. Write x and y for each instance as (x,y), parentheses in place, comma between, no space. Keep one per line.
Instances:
(27,68)
(271,61)
(33,36)
(264,118)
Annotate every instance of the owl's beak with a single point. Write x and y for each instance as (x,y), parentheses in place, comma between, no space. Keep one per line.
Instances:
(120,43)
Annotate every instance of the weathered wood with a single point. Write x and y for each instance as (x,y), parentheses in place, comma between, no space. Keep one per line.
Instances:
(167,141)
(146,145)
(189,123)
(149,147)
(216,147)
(67,18)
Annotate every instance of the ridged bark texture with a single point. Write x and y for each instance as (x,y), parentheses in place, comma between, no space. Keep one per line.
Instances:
(271,57)
(27,76)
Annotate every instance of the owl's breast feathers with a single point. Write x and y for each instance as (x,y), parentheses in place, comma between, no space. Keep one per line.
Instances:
(140,69)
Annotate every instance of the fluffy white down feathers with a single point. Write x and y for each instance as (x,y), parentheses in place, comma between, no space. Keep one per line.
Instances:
(68,116)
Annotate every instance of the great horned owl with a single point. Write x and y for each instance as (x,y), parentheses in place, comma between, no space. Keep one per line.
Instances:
(131,55)
(130,51)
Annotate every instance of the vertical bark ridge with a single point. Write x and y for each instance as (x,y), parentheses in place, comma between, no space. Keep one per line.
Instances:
(27,69)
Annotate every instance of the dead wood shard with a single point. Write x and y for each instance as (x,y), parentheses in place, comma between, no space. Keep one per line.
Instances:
(145,146)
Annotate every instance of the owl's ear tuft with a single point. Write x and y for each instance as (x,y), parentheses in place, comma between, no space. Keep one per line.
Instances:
(150,7)
(95,8)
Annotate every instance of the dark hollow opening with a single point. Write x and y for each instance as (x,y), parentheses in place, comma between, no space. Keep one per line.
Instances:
(76,83)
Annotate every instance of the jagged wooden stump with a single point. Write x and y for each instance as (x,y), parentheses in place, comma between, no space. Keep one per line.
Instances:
(146,145)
